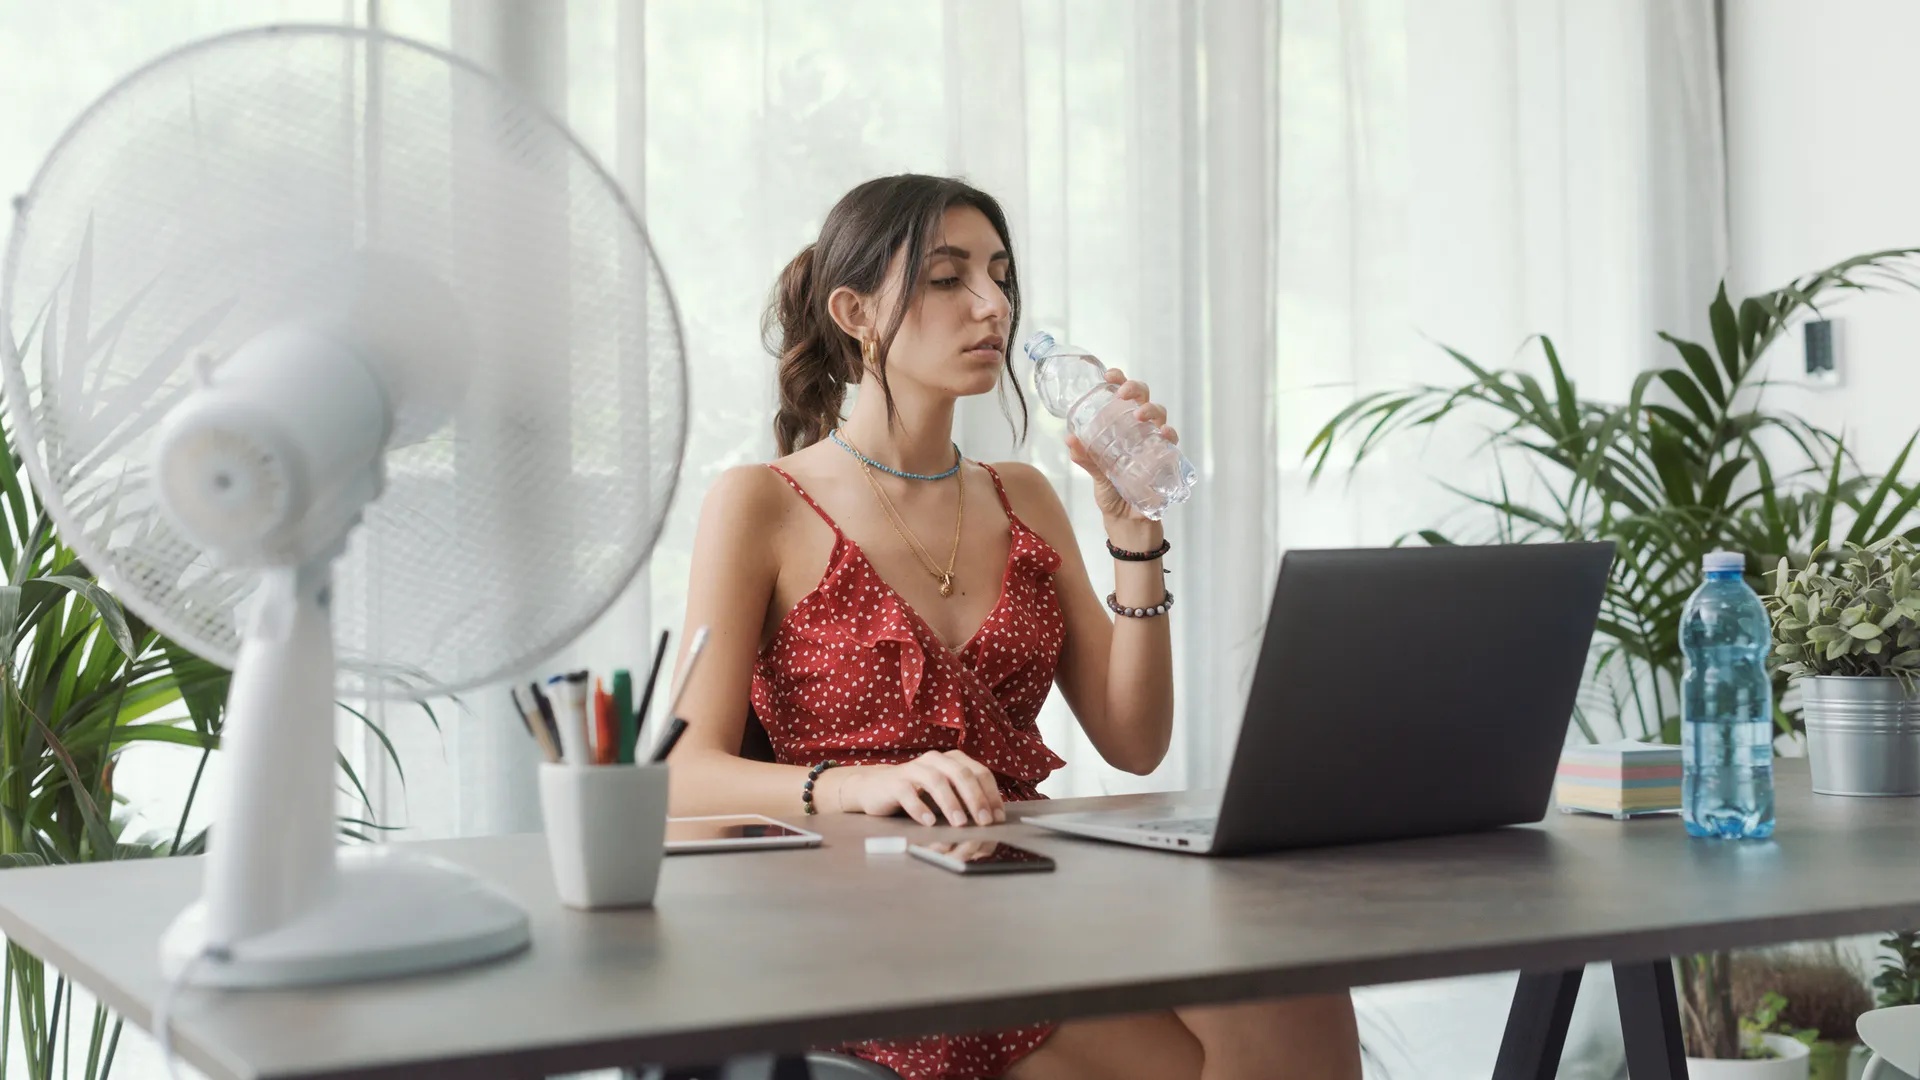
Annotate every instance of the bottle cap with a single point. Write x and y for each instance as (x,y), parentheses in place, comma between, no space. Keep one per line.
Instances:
(1038,345)
(1723,561)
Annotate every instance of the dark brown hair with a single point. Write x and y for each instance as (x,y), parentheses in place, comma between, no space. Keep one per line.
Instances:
(818,360)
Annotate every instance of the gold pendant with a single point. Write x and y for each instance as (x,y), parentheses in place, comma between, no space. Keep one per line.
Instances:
(946,585)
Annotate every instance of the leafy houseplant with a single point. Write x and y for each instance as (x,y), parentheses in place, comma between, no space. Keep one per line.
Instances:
(1822,990)
(1863,620)
(1696,459)
(1847,630)
(1708,1023)
(1711,466)
(1898,980)
(80,681)
(1765,1019)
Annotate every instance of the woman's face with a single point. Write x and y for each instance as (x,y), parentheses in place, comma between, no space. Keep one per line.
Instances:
(954,334)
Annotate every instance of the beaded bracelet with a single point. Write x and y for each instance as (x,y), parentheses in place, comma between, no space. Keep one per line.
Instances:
(1161,608)
(1139,556)
(806,792)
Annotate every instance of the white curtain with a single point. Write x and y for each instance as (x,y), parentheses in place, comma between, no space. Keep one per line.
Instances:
(1261,207)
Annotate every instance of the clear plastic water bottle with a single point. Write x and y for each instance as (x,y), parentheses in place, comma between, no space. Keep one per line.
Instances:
(1147,470)
(1726,729)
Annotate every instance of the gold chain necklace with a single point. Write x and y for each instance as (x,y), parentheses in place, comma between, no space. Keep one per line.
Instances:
(944,577)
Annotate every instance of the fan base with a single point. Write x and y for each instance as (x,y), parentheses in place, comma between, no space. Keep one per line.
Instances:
(388,915)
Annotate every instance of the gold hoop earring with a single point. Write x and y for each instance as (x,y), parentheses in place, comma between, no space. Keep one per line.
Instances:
(870,352)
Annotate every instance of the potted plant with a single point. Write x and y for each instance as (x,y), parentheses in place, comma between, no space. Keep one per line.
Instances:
(1697,458)
(1759,1045)
(1822,990)
(1899,979)
(1847,631)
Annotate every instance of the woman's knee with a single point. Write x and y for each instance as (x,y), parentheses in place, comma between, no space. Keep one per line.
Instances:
(1150,1046)
(1313,1036)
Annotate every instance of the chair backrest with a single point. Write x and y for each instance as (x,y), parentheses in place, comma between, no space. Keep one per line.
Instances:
(754,744)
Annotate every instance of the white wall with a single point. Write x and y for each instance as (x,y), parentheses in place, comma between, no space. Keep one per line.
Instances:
(1822,164)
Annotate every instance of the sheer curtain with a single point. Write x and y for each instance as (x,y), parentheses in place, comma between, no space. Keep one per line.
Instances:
(1261,207)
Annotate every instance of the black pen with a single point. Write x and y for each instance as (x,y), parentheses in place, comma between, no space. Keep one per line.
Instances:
(695,646)
(675,728)
(544,706)
(646,695)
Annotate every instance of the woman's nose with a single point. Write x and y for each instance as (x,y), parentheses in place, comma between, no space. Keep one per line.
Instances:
(991,303)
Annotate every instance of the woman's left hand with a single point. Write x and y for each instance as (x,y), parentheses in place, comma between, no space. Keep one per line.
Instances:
(1112,506)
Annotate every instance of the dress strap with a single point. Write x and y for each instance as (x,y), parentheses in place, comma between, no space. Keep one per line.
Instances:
(802,492)
(999,487)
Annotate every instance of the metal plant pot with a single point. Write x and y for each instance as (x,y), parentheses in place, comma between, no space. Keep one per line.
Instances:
(1863,735)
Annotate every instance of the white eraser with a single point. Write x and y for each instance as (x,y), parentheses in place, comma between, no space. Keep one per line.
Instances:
(886,845)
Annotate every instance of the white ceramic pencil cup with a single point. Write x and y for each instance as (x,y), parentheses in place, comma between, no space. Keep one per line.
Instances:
(606,832)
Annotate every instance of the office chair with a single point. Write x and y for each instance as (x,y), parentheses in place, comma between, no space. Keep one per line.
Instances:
(817,1064)
(1893,1034)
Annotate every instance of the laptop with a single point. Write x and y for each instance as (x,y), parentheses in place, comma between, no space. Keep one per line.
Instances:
(1399,692)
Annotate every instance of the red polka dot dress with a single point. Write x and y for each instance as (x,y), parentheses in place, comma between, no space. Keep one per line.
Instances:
(856,675)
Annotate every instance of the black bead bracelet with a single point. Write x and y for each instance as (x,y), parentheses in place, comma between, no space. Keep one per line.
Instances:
(1161,608)
(806,791)
(1139,556)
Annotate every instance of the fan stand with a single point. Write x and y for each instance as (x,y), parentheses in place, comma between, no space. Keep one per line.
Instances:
(282,903)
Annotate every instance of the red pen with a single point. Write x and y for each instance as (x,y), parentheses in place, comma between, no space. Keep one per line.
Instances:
(606,727)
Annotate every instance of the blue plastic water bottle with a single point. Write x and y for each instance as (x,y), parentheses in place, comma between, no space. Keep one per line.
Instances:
(1726,729)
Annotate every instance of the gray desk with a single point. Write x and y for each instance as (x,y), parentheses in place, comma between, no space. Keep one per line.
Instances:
(748,952)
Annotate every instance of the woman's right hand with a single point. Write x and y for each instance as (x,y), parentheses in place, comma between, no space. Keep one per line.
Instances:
(961,787)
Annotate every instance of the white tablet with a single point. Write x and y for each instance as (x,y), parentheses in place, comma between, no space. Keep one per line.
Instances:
(732,832)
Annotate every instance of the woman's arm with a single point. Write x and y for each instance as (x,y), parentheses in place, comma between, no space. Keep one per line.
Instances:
(729,591)
(1116,673)
(744,523)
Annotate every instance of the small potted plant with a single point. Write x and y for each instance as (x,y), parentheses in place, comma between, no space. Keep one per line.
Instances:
(1847,630)
(1824,990)
(1725,1045)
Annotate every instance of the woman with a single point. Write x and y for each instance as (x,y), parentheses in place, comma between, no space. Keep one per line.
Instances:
(896,614)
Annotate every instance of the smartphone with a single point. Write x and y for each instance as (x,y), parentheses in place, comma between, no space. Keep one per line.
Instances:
(733,832)
(980,856)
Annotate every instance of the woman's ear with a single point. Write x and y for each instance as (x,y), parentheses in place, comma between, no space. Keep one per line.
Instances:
(852,313)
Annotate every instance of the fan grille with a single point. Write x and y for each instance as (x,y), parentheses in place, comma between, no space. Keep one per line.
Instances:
(177,218)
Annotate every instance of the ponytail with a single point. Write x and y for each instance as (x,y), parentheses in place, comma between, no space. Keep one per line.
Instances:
(813,354)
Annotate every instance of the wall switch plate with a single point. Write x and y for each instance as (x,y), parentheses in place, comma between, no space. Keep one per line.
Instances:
(1821,354)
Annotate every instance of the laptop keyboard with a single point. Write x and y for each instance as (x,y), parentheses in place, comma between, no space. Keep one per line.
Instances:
(1200,826)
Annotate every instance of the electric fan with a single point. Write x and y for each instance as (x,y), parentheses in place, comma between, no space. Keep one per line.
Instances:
(343,364)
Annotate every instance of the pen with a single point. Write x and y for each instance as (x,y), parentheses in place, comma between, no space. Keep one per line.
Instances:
(535,728)
(547,719)
(694,648)
(629,732)
(675,728)
(571,689)
(606,732)
(653,676)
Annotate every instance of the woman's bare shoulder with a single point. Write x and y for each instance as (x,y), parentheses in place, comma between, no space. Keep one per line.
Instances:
(1035,501)
(743,509)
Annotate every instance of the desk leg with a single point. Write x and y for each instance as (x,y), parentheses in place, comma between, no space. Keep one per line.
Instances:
(1650,1020)
(1537,1026)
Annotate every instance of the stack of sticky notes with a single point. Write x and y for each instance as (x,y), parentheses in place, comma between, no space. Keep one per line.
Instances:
(1620,779)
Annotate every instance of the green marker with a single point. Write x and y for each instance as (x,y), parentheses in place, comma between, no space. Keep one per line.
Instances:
(623,715)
